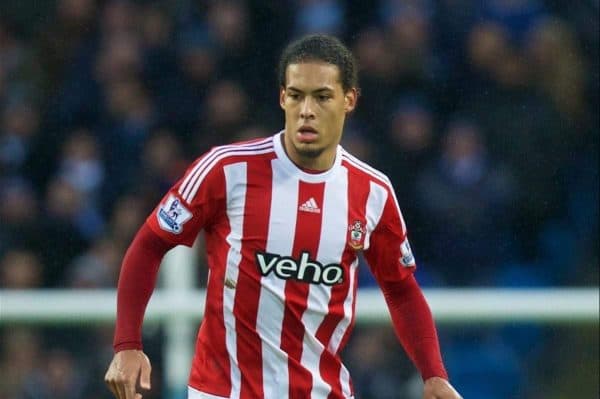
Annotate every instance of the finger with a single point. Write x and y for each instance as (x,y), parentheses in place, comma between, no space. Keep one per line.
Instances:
(452,393)
(108,383)
(145,374)
(122,390)
(138,396)
(114,387)
(111,386)
(129,390)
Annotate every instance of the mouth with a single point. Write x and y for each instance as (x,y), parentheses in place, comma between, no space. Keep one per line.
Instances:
(307,134)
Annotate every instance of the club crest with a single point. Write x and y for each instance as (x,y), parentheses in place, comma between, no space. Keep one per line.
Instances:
(357,233)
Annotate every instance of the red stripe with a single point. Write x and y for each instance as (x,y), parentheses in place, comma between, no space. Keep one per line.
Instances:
(306,239)
(351,326)
(330,363)
(211,368)
(255,231)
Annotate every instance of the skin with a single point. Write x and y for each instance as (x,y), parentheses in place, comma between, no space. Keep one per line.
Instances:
(126,369)
(439,388)
(312,96)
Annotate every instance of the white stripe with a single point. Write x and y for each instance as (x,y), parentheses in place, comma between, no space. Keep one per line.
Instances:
(313,203)
(208,163)
(282,226)
(398,210)
(193,187)
(357,163)
(333,231)
(340,331)
(336,340)
(205,159)
(195,394)
(375,204)
(235,180)
(375,173)
(345,380)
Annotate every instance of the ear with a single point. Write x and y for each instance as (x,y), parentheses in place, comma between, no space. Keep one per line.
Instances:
(350,99)
(282,97)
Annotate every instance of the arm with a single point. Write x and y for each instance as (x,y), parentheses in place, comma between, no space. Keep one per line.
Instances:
(415,328)
(176,220)
(393,264)
(136,283)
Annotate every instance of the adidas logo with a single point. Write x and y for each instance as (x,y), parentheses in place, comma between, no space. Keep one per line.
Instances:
(310,206)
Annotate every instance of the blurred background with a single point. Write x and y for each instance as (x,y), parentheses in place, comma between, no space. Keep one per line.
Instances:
(483,113)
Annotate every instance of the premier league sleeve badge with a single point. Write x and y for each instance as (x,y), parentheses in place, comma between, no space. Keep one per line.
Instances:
(172,215)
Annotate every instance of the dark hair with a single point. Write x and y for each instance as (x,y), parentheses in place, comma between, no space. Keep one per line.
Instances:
(321,48)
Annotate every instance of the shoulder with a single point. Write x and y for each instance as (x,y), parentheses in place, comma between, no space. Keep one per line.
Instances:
(210,166)
(235,152)
(247,148)
(364,171)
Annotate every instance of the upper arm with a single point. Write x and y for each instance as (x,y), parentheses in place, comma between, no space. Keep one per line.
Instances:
(389,254)
(192,204)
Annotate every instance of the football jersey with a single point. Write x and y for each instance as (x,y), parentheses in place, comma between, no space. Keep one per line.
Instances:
(282,248)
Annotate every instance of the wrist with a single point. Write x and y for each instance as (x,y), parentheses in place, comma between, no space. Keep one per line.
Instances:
(127,346)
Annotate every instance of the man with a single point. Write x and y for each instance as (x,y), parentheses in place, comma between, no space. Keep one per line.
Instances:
(284,218)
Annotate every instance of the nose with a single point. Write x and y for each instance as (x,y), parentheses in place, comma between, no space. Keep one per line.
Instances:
(307,109)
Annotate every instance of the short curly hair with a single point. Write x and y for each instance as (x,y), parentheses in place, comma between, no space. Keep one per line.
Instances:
(321,48)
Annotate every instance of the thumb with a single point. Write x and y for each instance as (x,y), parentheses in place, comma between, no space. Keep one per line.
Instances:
(145,373)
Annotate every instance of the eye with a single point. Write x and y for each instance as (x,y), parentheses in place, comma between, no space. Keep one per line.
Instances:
(323,97)
(294,96)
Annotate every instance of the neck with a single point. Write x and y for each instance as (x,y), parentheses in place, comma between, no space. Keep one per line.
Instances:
(317,163)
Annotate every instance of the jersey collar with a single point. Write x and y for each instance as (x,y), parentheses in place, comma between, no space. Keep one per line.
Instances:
(294,170)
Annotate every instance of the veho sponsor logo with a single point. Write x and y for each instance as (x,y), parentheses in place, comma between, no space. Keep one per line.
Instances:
(304,269)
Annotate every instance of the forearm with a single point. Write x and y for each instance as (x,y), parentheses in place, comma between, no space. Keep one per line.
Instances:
(136,283)
(414,326)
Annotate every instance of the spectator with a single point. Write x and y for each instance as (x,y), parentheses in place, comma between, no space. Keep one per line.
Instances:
(318,17)
(81,165)
(18,130)
(162,163)
(68,33)
(558,66)
(20,269)
(407,148)
(224,113)
(377,77)
(467,198)
(21,353)
(55,376)
(19,214)
(96,268)
(64,227)
(19,71)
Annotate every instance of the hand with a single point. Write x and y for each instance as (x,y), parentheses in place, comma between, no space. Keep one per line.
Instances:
(439,388)
(123,373)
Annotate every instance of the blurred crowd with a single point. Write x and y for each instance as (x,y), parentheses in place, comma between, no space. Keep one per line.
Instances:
(483,113)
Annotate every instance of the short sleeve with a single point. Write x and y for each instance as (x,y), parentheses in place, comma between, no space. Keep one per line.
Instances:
(192,204)
(389,254)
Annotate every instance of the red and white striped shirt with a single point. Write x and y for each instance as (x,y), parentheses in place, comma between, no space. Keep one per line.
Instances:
(282,254)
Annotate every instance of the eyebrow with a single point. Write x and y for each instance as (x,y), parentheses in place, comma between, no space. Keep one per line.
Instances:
(319,90)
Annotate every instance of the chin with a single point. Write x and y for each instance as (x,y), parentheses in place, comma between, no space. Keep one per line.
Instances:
(308,150)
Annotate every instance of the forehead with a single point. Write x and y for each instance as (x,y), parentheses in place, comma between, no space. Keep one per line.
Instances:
(313,75)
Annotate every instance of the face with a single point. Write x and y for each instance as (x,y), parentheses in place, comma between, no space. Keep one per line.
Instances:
(315,106)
